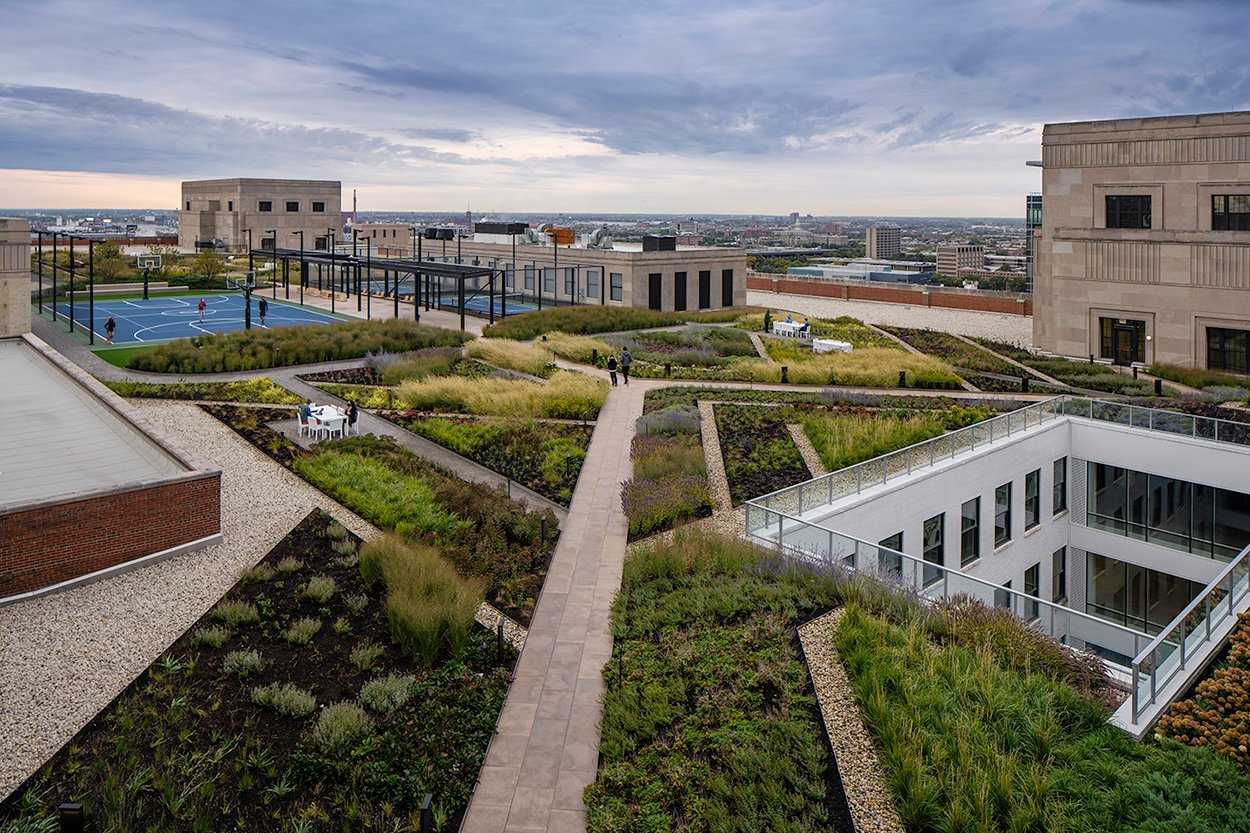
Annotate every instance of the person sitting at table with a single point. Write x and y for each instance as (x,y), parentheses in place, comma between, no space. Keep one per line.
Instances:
(305,411)
(806,326)
(789,318)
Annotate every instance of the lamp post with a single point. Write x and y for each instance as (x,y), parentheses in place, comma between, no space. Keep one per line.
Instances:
(368,279)
(416,283)
(91,290)
(251,268)
(333,266)
(273,276)
(301,269)
(355,276)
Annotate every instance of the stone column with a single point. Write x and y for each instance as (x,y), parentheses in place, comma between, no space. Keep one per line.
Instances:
(14,277)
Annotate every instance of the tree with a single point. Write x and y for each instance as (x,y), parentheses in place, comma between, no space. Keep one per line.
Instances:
(168,256)
(209,264)
(109,261)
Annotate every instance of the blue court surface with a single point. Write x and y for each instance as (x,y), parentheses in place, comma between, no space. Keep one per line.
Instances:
(162,319)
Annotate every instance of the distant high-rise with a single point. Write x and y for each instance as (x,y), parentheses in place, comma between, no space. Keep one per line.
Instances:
(1032,222)
(951,257)
(883,242)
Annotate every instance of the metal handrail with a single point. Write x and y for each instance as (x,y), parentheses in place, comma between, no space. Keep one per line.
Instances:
(1204,599)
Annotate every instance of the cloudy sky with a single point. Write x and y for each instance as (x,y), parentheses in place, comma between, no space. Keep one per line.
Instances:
(927,107)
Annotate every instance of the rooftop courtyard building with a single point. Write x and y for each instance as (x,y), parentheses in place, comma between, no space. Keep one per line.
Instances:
(217,213)
(1117,529)
(1144,253)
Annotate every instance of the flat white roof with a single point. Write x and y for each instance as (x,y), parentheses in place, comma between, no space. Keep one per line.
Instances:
(58,439)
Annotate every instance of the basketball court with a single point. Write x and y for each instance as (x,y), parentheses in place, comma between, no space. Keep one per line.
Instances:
(162,319)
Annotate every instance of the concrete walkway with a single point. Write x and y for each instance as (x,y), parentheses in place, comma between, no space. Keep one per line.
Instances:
(546,748)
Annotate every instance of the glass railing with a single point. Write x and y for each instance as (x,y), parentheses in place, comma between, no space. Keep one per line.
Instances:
(1155,419)
(826,548)
(1191,635)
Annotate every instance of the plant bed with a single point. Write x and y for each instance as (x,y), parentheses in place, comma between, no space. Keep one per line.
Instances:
(760,455)
(255,720)
(669,484)
(954,351)
(260,390)
(602,319)
(689,347)
(843,328)
(1200,378)
(344,376)
(1082,375)
(849,435)
(544,456)
(478,528)
(259,348)
(994,383)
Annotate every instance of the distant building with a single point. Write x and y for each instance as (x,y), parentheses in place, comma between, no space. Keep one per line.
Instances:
(1032,229)
(216,213)
(883,241)
(1145,247)
(951,257)
(867,270)
(384,239)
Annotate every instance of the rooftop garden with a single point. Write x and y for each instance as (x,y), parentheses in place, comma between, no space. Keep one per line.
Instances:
(331,688)
(1084,375)
(590,319)
(669,484)
(1214,385)
(263,348)
(955,351)
(261,390)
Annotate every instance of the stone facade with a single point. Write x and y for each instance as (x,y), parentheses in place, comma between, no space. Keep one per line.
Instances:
(883,241)
(14,277)
(951,257)
(221,210)
(1161,284)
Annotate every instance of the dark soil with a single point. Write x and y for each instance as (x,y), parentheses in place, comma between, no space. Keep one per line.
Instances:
(345,376)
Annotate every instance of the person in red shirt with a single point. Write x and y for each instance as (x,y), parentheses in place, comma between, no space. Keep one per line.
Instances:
(201,306)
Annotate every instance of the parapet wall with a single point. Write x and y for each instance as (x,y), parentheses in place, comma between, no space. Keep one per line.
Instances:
(14,277)
(1009,303)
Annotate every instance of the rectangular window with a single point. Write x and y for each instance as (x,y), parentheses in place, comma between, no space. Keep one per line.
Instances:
(529,276)
(705,289)
(265,206)
(727,287)
(679,290)
(1032,584)
(292,206)
(266,243)
(1228,350)
(374,235)
(970,532)
(188,205)
(230,205)
(593,277)
(570,283)
(1032,499)
(1230,212)
(1128,211)
(1002,596)
(214,205)
(1002,514)
(655,286)
(549,280)
(891,559)
(934,533)
(318,207)
(1059,487)
(617,287)
(320,243)
(1059,576)
(1135,596)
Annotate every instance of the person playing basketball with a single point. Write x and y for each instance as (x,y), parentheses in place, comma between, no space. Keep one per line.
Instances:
(201,306)
(264,308)
(109,327)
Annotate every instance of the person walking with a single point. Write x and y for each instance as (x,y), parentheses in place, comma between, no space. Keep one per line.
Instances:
(109,327)
(201,306)
(353,417)
(626,361)
(264,308)
(612,369)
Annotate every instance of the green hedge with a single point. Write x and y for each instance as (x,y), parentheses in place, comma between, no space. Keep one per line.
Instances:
(257,349)
(260,390)
(583,320)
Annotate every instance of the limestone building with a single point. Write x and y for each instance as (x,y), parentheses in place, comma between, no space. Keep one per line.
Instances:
(216,213)
(14,277)
(951,257)
(1144,253)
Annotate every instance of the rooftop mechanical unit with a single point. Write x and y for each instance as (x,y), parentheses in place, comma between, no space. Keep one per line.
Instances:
(659,243)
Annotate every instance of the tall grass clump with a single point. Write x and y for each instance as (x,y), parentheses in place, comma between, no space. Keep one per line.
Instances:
(283,346)
(602,319)
(394,368)
(871,367)
(385,694)
(669,484)
(260,390)
(235,613)
(429,607)
(339,728)
(514,355)
(284,698)
(566,395)
(579,348)
(845,439)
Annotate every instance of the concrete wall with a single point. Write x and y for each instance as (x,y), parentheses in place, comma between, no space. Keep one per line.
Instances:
(925,296)
(1178,276)
(211,217)
(14,277)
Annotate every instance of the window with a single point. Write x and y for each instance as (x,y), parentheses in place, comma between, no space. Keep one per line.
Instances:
(214,205)
(1059,487)
(264,206)
(292,206)
(655,286)
(1059,576)
(318,207)
(1228,350)
(1122,340)
(230,205)
(1002,514)
(266,242)
(934,529)
(1032,499)
(1032,581)
(320,243)
(617,287)
(374,234)
(970,532)
(549,280)
(570,283)
(1230,213)
(1128,211)
(1002,596)
(529,276)
(705,289)
(593,276)
(891,558)
(679,290)
(727,287)
(188,205)
(1135,596)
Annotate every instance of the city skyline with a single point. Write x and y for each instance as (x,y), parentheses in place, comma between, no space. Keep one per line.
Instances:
(745,108)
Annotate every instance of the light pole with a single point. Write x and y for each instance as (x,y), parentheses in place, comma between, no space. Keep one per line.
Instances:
(368,279)
(356,271)
(333,267)
(251,268)
(301,269)
(416,282)
(273,274)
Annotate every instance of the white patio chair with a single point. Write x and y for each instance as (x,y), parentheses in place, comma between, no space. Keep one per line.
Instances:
(305,424)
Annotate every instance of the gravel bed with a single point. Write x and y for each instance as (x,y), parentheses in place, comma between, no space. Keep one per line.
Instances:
(717,482)
(806,450)
(488,617)
(67,655)
(1017,329)
(867,793)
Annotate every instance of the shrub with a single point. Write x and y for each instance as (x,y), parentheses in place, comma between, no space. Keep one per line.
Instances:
(583,349)
(1199,378)
(282,346)
(601,319)
(342,626)
(385,694)
(242,663)
(514,355)
(335,531)
(366,654)
(285,698)
(213,636)
(679,419)
(260,390)
(566,395)
(842,439)
(290,565)
(420,364)
(302,631)
(669,484)
(235,613)
(319,589)
(429,607)
(256,575)
(344,547)
(356,602)
(339,727)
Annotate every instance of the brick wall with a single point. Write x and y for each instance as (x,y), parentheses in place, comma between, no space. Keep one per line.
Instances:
(44,545)
(931,296)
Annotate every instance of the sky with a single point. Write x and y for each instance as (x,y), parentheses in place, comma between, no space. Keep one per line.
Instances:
(890,108)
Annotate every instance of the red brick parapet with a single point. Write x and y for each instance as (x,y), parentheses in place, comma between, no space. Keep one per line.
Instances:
(1010,303)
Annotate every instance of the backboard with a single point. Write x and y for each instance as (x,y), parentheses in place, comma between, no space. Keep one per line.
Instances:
(148,261)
